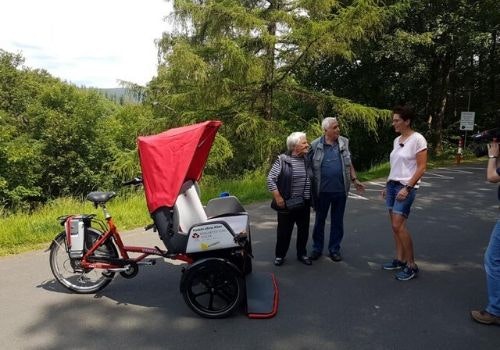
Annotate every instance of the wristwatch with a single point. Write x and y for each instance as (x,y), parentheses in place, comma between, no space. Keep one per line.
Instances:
(491,157)
(408,188)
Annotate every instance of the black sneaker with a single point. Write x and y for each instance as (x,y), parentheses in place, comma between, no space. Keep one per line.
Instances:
(407,273)
(279,261)
(336,256)
(315,255)
(304,259)
(393,265)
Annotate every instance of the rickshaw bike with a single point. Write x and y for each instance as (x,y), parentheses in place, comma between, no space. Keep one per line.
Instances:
(213,240)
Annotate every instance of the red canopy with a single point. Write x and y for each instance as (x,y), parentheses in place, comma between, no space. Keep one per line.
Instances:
(173,157)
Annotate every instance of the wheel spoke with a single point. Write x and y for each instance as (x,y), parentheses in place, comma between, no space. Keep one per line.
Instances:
(68,272)
(211,302)
(226,298)
(196,295)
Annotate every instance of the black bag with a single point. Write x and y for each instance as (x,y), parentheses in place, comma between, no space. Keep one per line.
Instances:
(274,206)
(295,203)
(290,204)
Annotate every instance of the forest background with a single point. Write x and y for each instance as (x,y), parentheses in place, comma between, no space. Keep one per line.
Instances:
(264,68)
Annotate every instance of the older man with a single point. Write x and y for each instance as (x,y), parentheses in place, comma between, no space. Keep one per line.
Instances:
(333,173)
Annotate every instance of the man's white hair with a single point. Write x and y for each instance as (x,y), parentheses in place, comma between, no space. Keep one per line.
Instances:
(327,122)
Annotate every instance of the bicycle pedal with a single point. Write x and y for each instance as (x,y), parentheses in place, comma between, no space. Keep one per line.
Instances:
(149,262)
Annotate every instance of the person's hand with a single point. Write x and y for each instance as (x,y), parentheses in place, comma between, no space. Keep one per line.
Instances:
(359,186)
(279,200)
(384,193)
(402,194)
(493,149)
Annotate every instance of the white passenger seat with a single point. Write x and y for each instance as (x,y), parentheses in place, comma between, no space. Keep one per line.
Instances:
(188,207)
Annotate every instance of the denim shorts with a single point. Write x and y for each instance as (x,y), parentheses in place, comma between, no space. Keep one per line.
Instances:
(398,207)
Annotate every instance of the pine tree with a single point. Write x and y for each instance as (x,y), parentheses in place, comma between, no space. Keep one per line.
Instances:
(238,61)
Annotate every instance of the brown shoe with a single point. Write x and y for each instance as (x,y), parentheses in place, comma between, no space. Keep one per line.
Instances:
(485,317)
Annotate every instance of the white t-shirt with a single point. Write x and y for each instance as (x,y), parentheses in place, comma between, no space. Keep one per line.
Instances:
(404,158)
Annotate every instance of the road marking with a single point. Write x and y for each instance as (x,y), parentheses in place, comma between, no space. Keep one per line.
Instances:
(377,183)
(435,175)
(444,170)
(472,168)
(357,196)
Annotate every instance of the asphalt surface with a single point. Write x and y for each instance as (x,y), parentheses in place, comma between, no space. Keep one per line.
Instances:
(348,305)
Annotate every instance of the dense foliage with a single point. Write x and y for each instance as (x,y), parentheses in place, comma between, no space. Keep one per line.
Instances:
(265,68)
(440,56)
(55,139)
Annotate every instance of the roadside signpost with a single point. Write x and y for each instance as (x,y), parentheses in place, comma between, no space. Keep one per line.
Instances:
(467,123)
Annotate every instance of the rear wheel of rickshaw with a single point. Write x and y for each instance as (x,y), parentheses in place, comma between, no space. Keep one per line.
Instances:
(68,271)
(213,288)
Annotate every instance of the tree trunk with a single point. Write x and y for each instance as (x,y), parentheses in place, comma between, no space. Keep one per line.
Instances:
(493,67)
(267,88)
(441,99)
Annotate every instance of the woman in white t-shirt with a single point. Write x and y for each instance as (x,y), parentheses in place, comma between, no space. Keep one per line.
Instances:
(408,163)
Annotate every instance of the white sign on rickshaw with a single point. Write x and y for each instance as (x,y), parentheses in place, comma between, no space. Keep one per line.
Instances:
(467,121)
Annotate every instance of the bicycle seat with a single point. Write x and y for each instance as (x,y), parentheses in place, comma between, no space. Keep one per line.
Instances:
(100,197)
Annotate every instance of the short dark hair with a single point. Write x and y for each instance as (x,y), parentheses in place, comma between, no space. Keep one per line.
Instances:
(404,111)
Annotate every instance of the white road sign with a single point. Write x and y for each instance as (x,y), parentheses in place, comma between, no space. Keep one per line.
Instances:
(467,121)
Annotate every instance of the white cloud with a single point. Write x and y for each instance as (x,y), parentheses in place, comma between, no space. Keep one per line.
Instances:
(91,43)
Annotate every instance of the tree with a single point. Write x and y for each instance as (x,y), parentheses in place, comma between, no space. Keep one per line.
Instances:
(238,60)
(75,147)
(19,154)
(434,55)
(52,134)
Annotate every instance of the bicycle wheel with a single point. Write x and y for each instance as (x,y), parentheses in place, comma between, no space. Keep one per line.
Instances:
(213,289)
(68,272)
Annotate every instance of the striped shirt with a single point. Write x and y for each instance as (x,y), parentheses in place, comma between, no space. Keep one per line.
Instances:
(299,176)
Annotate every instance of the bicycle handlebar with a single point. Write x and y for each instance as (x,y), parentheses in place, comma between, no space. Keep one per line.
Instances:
(135,181)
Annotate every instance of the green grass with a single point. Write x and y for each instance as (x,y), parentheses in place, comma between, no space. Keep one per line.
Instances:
(23,232)
(250,188)
(376,172)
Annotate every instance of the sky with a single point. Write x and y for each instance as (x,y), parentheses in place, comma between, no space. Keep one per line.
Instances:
(92,43)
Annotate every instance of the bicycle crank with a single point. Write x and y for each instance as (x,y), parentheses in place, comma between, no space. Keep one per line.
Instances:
(128,271)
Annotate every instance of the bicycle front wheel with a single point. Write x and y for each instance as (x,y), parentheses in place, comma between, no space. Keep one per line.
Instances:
(68,272)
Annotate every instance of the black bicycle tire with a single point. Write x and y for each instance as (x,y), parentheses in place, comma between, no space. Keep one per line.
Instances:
(224,272)
(59,247)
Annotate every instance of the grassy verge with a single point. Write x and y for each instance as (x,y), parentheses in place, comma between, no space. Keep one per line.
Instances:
(22,232)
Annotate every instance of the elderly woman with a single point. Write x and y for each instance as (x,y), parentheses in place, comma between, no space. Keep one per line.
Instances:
(290,185)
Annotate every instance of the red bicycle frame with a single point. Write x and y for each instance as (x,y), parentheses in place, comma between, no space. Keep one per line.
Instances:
(124,250)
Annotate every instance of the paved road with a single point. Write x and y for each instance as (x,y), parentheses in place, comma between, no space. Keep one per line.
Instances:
(347,305)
